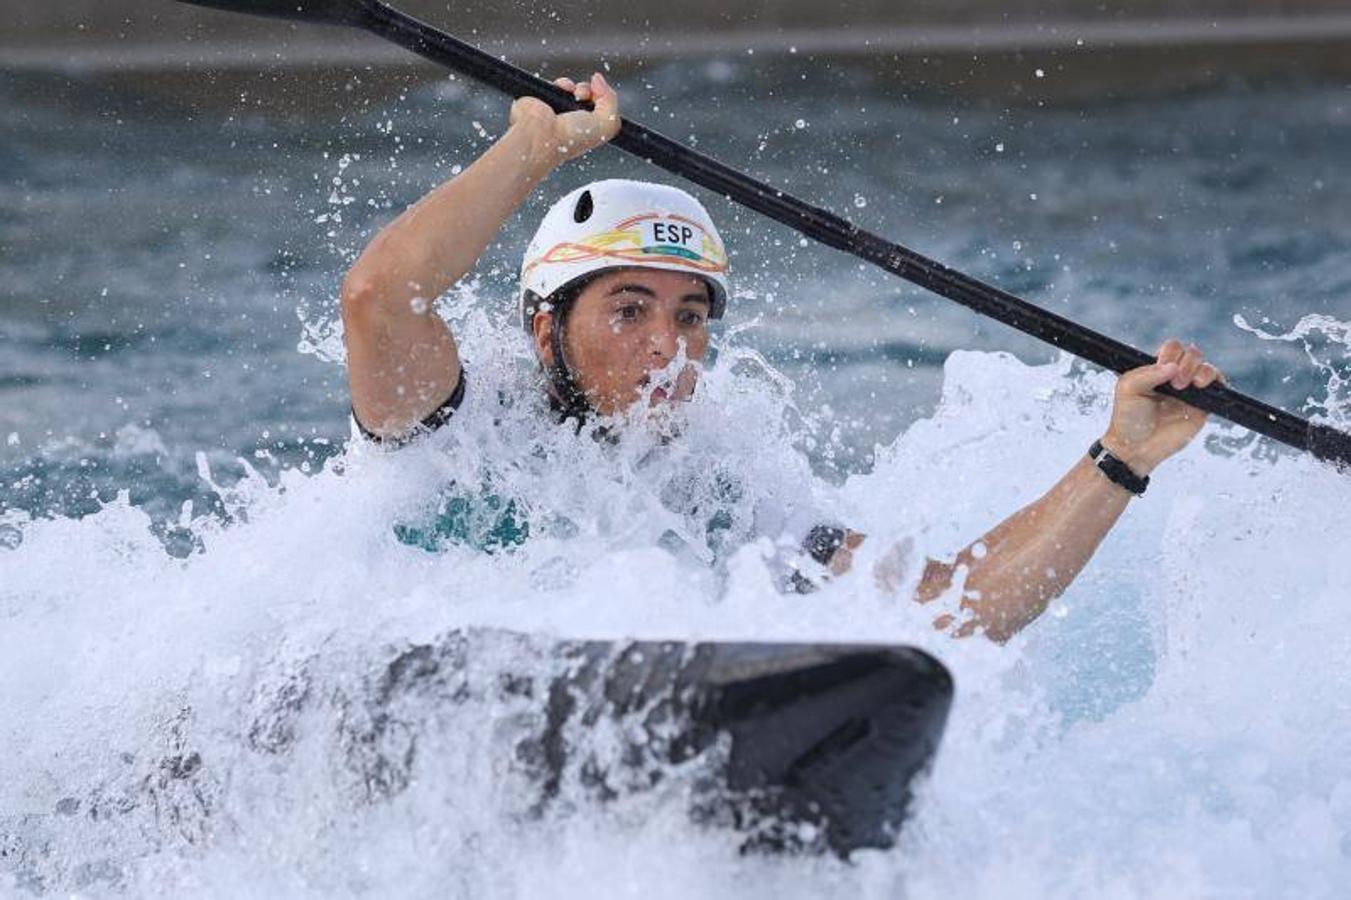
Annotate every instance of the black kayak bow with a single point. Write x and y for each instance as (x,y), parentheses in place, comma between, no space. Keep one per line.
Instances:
(1323,441)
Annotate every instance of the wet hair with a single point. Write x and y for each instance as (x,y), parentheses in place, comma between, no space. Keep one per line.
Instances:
(566,395)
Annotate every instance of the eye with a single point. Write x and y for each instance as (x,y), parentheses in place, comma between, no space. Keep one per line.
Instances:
(691,317)
(627,312)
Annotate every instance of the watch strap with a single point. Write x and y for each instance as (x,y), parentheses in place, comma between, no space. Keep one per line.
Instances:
(1117,471)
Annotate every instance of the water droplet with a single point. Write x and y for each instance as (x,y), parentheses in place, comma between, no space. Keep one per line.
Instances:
(860,201)
(800,124)
(999,147)
(418,305)
(1041,73)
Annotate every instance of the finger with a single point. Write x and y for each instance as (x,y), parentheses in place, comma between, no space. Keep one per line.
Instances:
(1170,350)
(566,84)
(606,104)
(582,91)
(1206,375)
(1144,379)
(1187,366)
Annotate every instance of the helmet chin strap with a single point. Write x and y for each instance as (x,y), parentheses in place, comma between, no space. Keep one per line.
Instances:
(566,396)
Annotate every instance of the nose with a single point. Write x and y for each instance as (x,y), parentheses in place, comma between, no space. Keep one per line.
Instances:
(664,340)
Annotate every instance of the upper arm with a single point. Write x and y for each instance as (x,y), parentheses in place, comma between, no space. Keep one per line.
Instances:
(402,361)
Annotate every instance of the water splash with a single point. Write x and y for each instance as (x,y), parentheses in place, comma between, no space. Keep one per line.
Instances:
(1327,345)
(1178,723)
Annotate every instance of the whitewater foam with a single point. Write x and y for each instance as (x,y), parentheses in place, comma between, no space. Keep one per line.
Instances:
(1175,725)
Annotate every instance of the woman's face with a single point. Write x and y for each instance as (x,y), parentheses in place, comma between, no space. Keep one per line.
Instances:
(626,325)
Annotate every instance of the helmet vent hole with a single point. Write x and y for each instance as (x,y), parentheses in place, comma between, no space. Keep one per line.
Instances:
(585,206)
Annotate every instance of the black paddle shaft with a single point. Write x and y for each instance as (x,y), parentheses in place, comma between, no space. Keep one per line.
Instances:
(1323,441)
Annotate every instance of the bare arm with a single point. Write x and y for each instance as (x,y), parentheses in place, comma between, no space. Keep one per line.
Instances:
(402,359)
(1029,559)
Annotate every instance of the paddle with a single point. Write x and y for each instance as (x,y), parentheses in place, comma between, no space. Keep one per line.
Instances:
(1322,441)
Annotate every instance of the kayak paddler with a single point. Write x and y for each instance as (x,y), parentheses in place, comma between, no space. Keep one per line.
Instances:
(621,279)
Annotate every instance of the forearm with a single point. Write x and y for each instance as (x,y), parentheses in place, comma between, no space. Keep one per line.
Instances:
(1013,572)
(1029,559)
(433,243)
(402,358)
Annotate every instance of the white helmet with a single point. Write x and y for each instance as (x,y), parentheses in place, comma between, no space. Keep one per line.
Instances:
(618,223)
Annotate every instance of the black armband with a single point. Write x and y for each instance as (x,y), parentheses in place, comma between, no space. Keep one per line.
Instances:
(822,542)
(438,417)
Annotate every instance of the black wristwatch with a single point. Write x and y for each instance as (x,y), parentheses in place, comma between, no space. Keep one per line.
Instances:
(1117,471)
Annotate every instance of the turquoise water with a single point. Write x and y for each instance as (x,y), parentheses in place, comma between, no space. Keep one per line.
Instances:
(189,540)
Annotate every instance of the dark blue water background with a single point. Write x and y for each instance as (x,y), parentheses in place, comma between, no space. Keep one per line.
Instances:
(159,258)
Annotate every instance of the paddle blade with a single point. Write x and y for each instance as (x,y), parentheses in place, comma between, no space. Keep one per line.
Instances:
(333,12)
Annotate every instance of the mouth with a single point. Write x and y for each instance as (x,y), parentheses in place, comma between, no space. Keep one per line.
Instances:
(664,387)
(659,391)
